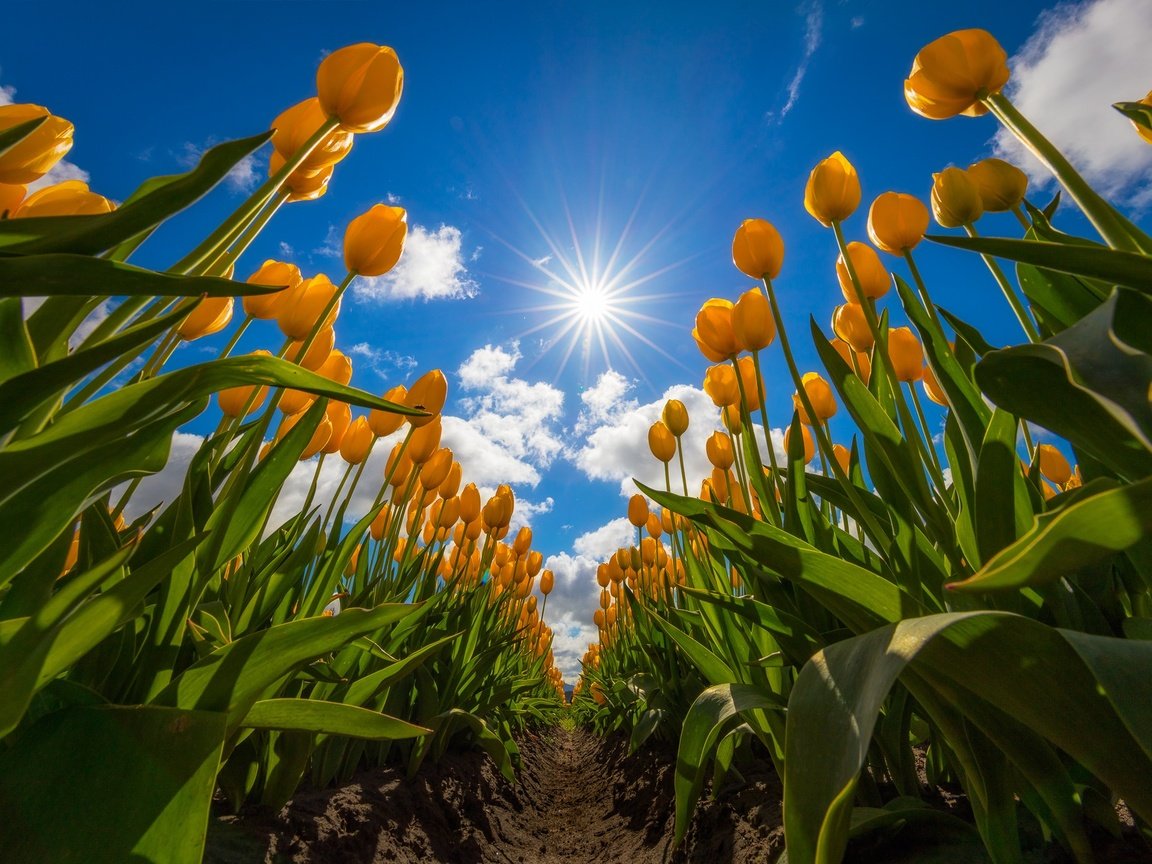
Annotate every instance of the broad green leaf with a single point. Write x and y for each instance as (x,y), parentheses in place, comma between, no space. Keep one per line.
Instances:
(109,784)
(999,486)
(331,718)
(16,352)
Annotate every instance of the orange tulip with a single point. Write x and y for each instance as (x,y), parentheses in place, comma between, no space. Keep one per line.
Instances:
(266,306)
(713,331)
(833,190)
(952,74)
(870,273)
(758,249)
(897,222)
(360,85)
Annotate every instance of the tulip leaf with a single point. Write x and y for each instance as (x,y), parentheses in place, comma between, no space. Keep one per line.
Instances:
(967,332)
(330,718)
(13,135)
(16,352)
(94,234)
(1111,265)
(108,784)
(1101,520)
(1059,299)
(1139,113)
(1001,499)
(57,275)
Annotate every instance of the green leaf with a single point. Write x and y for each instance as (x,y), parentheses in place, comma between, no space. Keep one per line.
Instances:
(90,235)
(1139,113)
(999,486)
(332,718)
(713,711)
(109,784)
(1087,529)
(16,352)
(1111,265)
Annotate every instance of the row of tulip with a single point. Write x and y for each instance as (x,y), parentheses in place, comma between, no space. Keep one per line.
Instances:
(967,597)
(153,654)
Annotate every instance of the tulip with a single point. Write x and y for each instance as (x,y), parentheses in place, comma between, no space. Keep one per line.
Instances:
(374,240)
(11,194)
(33,156)
(435,470)
(523,541)
(301,185)
(1053,465)
(547,582)
(303,306)
(850,324)
(1000,184)
(386,422)
(357,442)
(956,199)
(661,442)
(749,381)
(809,444)
(316,442)
(906,354)
(210,315)
(897,222)
(295,127)
(638,511)
(752,322)
(730,417)
(862,366)
(428,393)
(424,441)
(713,331)
(233,399)
(451,483)
(758,249)
(294,401)
(69,198)
(721,385)
(337,367)
(953,73)
(819,394)
(317,352)
(833,190)
(340,416)
(932,388)
(843,457)
(360,85)
(266,306)
(675,417)
(470,503)
(870,273)
(718,448)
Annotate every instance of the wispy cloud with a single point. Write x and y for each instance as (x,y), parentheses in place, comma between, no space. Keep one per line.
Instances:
(242,178)
(431,268)
(813,12)
(383,362)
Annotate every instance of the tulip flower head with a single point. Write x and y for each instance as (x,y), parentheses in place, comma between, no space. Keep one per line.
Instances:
(33,156)
(833,190)
(339,414)
(661,442)
(272,273)
(956,199)
(374,241)
(952,74)
(428,393)
(897,222)
(809,444)
(758,249)
(873,279)
(752,322)
(850,324)
(1001,185)
(360,85)
(843,457)
(858,361)
(1053,465)
(233,400)
(721,385)
(295,126)
(713,331)
(304,305)
(69,198)
(718,448)
(819,394)
(357,442)
(675,417)
(932,388)
(386,422)
(210,315)
(906,354)
(317,353)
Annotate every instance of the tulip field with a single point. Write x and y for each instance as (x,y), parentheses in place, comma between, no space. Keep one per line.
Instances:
(914,606)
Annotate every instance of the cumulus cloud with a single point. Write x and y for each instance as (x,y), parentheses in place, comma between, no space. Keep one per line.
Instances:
(431,268)
(1081,59)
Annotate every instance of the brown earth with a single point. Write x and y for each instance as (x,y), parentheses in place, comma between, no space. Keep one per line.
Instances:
(580,799)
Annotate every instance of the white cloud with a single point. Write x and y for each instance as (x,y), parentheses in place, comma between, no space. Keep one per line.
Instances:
(1080,60)
(604,400)
(432,268)
(813,25)
(383,362)
(7,95)
(241,178)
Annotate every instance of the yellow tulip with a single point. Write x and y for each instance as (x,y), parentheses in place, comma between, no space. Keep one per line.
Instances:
(428,393)
(1001,184)
(833,190)
(336,367)
(233,399)
(752,322)
(843,457)
(386,422)
(809,443)
(340,417)
(11,194)
(210,315)
(952,74)
(302,185)
(470,503)
(424,441)
(547,582)
(758,249)
(661,442)
(272,273)
(33,156)
(293,129)
(638,511)
(374,240)
(451,483)
(675,417)
(906,354)
(718,448)
(1053,465)
(897,222)
(713,331)
(357,442)
(69,198)
(932,388)
(316,442)
(819,394)
(870,273)
(303,306)
(721,385)
(435,470)
(849,323)
(523,541)
(360,85)
(750,382)
(862,366)
(317,352)
(294,401)
(956,199)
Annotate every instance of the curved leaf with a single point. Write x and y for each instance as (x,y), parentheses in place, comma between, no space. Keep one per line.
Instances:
(330,718)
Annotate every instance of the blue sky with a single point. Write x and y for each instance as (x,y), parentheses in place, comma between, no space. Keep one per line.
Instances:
(528,131)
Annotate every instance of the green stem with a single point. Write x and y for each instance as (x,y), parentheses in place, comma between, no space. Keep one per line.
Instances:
(1021,218)
(767,440)
(227,349)
(680,454)
(1009,292)
(922,289)
(927,432)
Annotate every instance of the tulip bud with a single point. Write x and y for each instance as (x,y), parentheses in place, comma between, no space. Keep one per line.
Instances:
(718,448)
(932,388)
(857,360)
(752,322)
(897,222)
(336,367)
(434,471)
(758,249)
(233,399)
(301,185)
(424,441)
(304,305)
(906,354)
(653,525)
(638,511)
(33,156)
(713,330)
(953,73)
(428,393)
(721,386)
(357,442)
(319,437)
(449,512)
(1053,465)
(386,422)
(523,541)
(340,416)
(675,417)
(809,443)
(870,273)
(955,199)
(317,353)
(843,457)
(210,315)
(470,503)
(68,198)
(294,401)
(730,417)
(851,325)
(547,582)
(661,442)
(833,190)
(749,381)
(295,126)
(374,240)
(266,306)
(451,484)
(360,85)
(819,394)
(1001,185)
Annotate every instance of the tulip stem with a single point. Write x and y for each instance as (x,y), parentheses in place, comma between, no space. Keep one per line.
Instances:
(929,306)
(227,349)
(355,482)
(680,455)
(1009,292)
(332,303)
(1100,213)
(1021,218)
(767,438)
(916,404)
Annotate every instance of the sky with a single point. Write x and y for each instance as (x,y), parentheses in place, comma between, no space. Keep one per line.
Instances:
(551,151)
